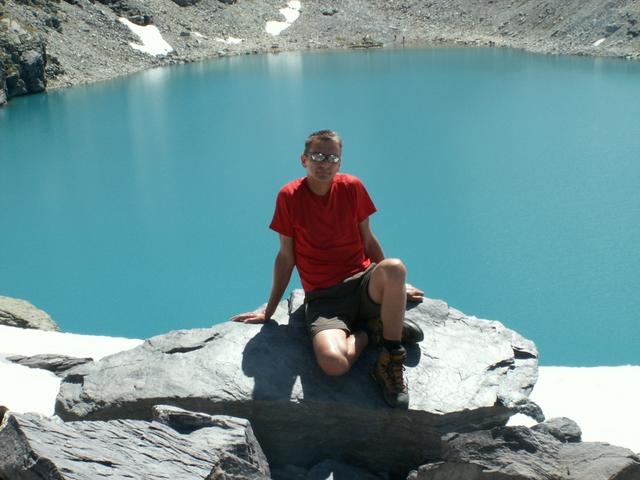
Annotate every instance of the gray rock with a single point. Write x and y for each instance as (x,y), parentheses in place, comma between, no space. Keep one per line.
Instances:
(234,437)
(598,461)
(519,453)
(57,364)
(468,374)
(20,313)
(53,68)
(450,471)
(562,428)
(53,22)
(32,446)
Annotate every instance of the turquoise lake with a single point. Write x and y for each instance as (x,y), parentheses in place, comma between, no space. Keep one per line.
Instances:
(509,183)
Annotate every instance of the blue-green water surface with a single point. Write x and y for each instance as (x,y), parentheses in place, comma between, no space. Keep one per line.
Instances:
(509,183)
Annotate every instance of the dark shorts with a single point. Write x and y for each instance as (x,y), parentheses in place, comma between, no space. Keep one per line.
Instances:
(345,306)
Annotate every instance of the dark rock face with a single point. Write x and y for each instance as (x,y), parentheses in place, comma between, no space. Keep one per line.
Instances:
(185,3)
(519,453)
(3,83)
(32,63)
(133,10)
(57,364)
(20,313)
(37,447)
(24,58)
(468,374)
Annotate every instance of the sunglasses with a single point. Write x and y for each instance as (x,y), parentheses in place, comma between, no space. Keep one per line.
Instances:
(321,157)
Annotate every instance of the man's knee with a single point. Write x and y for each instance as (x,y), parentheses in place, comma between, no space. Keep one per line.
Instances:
(393,269)
(333,364)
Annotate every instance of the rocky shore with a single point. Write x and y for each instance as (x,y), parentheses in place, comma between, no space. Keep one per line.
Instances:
(53,43)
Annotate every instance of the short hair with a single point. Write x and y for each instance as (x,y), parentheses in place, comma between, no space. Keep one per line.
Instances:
(326,135)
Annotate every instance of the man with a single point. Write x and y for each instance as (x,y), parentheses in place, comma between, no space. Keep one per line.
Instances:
(354,296)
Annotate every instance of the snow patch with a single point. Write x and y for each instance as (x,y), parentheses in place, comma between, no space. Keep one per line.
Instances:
(291,13)
(603,401)
(28,389)
(598,42)
(30,342)
(229,40)
(152,41)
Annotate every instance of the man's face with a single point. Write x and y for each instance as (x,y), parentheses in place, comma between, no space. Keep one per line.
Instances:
(323,171)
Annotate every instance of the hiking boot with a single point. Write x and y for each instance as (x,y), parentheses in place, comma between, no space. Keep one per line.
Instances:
(411,332)
(389,374)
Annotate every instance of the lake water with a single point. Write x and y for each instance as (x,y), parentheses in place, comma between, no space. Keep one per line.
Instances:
(508,182)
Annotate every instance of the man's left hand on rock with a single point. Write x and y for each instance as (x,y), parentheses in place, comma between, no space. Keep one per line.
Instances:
(414,294)
(257,316)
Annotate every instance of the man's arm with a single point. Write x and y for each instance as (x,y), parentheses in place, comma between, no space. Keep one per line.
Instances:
(373,250)
(282,269)
(372,247)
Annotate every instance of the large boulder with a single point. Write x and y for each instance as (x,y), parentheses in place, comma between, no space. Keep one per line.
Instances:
(519,453)
(20,313)
(33,446)
(468,374)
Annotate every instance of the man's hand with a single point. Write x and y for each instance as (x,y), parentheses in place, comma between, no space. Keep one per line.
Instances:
(257,316)
(413,294)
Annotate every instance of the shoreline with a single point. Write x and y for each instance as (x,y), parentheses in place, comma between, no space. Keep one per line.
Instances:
(90,42)
(56,86)
(426,45)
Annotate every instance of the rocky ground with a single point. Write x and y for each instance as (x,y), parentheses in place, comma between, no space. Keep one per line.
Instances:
(248,402)
(85,42)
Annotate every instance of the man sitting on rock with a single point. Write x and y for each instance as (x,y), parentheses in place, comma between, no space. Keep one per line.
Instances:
(354,296)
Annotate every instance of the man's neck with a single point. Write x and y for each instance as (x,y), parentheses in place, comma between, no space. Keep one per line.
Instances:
(319,188)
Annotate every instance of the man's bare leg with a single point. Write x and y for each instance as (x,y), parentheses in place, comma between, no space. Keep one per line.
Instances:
(388,288)
(336,350)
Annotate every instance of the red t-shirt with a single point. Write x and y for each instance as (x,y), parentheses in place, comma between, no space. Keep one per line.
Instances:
(327,240)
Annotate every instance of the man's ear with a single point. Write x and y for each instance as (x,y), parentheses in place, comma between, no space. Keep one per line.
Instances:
(303,160)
